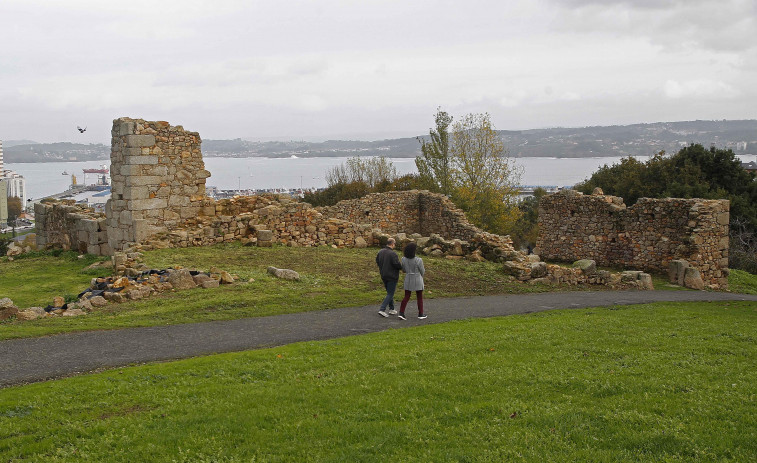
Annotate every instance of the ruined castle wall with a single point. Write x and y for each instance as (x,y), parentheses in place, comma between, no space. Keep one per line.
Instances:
(289,222)
(646,236)
(158,179)
(414,211)
(65,225)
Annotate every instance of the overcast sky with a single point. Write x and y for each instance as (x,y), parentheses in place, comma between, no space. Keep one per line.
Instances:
(368,69)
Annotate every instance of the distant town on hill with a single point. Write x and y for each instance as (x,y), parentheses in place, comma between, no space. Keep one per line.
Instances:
(617,140)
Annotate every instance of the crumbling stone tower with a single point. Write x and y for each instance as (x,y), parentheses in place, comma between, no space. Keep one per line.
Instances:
(158,180)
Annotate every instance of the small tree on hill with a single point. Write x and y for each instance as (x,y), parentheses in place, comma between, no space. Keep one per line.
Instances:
(435,164)
(485,178)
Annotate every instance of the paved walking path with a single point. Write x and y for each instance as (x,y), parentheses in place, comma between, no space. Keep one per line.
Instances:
(39,359)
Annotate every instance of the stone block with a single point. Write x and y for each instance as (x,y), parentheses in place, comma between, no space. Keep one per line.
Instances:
(148,204)
(126,128)
(587,266)
(693,279)
(677,270)
(264,235)
(139,141)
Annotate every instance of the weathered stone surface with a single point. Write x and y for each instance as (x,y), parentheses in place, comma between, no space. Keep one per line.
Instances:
(645,281)
(73,313)
(181,279)
(226,278)
(538,269)
(693,279)
(7,308)
(98,301)
(264,235)
(587,266)
(58,301)
(360,242)
(285,274)
(113,296)
(648,235)
(677,270)
(211,283)
(27,315)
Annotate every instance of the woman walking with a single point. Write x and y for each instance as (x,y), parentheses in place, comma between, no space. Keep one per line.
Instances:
(413,267)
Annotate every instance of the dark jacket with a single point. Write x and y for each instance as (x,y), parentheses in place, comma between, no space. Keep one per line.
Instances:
(388,264)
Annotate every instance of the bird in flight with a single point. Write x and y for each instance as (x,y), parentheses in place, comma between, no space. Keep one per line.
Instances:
(80,129)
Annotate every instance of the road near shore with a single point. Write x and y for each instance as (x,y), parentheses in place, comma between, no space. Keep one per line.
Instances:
(50,357)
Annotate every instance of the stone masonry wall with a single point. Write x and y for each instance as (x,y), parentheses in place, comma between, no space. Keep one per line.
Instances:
(288,222)
(158,179)
(63,224)
(414,211)
(646,236)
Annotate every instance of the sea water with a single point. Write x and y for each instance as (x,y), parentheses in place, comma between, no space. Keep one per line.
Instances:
(44,179)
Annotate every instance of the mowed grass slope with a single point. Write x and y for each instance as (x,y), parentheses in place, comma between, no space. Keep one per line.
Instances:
(658,382)
(331,278)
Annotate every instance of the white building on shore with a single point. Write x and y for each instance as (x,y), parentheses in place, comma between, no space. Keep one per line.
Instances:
(14,184)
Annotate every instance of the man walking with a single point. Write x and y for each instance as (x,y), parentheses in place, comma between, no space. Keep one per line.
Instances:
(389,268)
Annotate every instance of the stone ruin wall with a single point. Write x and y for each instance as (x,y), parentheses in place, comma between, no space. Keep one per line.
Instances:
(646,236)
(414,211)
(241,218)
(158,180)
(158,200)
(65,225)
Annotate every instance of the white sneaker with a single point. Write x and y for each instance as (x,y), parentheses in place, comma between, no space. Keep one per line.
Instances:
(422,317)
(392,312)
(383,313)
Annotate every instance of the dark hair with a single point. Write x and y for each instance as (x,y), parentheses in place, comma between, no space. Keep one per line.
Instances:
(409,250)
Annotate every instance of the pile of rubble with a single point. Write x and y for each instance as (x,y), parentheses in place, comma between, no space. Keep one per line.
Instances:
(530,269)
(119,289)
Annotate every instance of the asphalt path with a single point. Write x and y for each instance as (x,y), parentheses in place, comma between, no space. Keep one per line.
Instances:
(50,357)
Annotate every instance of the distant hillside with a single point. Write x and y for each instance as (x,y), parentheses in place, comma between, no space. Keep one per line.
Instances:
(56,152)
(618,140)
(637,139)
(9,143)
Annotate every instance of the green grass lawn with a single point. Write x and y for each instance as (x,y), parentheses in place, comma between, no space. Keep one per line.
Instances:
(331,278)
(659,382)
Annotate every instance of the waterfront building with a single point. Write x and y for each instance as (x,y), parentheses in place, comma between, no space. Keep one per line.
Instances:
(14,184)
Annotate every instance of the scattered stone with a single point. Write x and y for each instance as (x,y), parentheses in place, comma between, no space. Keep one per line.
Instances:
(113,296)
(227,279)
(284,274)
(58,301)
(14,250)
(360,242)
(538,269)
(27,315)
(693,279)
(7,309)
(476,256)
(587,266)
(98,301)
(181,279)
(73,313)
(677,271)
(645,281)
(210,283)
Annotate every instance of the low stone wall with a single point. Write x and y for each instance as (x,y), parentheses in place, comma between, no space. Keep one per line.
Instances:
(289,222)
(415,211)
(63,224)
(646,236)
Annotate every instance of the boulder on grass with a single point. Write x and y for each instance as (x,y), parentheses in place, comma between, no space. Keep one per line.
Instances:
(7,308)
(181,279)
(283,273)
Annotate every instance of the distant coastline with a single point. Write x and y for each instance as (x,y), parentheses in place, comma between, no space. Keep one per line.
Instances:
(585,142)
